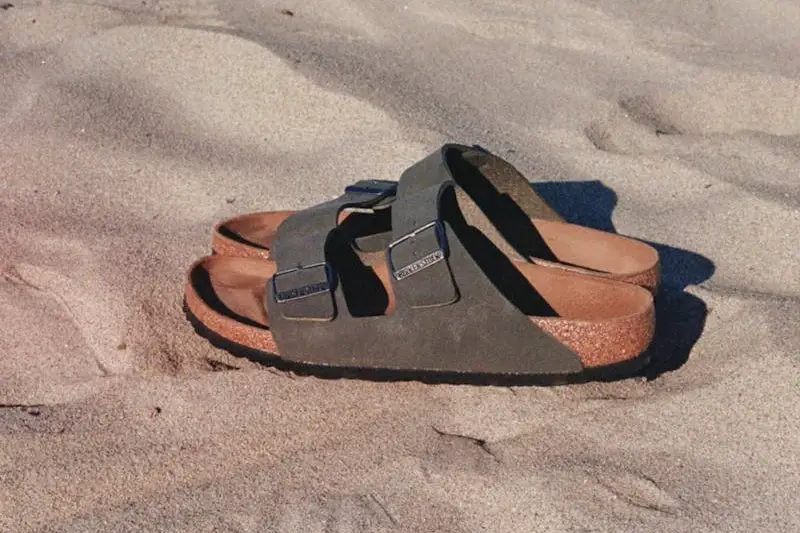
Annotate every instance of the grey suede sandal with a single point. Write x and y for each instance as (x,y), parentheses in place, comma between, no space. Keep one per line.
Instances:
(492,195)
(444,304)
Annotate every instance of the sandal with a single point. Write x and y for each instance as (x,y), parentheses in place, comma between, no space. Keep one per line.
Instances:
(493,196)
(444,303)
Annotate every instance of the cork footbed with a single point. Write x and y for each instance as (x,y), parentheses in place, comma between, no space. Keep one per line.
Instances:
(566,246)
(603,321)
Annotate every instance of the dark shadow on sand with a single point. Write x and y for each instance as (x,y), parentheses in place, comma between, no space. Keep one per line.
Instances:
(680,316)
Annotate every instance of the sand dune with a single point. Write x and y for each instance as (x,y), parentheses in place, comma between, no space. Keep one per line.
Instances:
(128,128)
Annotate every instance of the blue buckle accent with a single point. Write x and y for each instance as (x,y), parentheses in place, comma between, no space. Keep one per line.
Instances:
(376,187)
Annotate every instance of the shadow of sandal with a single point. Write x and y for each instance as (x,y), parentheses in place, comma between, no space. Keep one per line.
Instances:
(680,316)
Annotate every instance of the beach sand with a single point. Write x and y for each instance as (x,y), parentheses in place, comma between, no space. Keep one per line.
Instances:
(128,128)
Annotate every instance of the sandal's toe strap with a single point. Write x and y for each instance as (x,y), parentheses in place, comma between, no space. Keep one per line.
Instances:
(303,282)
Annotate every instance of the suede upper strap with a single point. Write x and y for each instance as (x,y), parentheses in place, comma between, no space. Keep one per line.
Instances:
(418,256)
(303,282)
(481,174)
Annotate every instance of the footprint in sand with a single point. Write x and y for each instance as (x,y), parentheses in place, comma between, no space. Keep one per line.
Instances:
(657,120)
(60,330)
(338,513)
(637,490)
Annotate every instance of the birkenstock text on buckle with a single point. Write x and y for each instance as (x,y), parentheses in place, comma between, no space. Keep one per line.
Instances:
(435,256)
(303,291)
(297,290)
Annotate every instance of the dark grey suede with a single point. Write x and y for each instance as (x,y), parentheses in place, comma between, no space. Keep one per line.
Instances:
(449,315)
(303,280)
(488,179)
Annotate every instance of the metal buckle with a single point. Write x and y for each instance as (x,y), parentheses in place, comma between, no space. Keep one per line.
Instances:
(376,187)
(422,263)
(304,291)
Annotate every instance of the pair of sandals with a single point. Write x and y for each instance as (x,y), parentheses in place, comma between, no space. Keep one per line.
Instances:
(458,271)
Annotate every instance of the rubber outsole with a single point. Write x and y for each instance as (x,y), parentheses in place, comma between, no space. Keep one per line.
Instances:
(614,372)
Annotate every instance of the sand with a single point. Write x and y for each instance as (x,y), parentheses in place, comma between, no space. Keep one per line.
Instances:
(127,128)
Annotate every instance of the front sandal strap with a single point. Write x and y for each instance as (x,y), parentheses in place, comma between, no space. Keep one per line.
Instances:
(304,282)
(418,256)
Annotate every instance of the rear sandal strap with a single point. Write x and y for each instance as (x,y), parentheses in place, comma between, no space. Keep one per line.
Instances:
(499,180)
